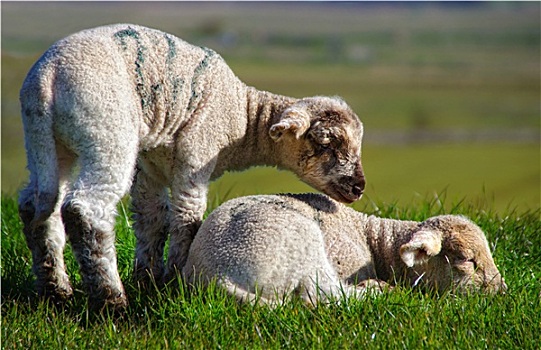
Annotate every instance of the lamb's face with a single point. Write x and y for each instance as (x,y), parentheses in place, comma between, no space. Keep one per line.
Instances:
(330,157)
(464,263)
(326,151)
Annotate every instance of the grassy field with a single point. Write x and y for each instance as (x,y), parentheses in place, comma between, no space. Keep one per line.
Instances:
(175,319)
(442,69)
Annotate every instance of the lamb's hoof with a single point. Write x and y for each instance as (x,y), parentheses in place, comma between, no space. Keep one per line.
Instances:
(145,279)
(171,277)
(375,286)
(112,305)
(58,295)
(107,299)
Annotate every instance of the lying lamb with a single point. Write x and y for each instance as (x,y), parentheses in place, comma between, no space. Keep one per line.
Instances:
(129,102)
(262,248)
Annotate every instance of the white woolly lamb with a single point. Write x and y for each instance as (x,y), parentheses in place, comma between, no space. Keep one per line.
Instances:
(262,248)
(123,102)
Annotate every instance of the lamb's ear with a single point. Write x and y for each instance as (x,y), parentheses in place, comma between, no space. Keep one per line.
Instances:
(422,245)
(294,119)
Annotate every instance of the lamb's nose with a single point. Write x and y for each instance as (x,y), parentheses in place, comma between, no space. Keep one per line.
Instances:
(358,186)
(357,190)
(362,183)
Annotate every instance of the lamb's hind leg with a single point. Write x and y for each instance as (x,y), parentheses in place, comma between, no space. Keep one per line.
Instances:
(326,286)
(245,296)
(150,201)
(89,212)
(45,236)
(337,290)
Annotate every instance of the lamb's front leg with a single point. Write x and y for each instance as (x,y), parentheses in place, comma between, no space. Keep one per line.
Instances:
(188,204)
(150,202)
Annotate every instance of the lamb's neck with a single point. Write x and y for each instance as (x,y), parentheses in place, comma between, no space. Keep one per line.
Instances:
(385,236)
(263,110)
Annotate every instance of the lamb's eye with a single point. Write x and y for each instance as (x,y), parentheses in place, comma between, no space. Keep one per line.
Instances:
(319,140)
(322,143)
(466,264)
(326,141)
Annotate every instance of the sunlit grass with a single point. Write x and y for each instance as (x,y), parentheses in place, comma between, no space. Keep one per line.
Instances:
(205,319)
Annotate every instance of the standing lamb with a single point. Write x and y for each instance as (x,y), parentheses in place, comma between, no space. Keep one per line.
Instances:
(262,248)
(124,102)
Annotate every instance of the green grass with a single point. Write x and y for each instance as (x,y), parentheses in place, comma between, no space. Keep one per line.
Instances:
(207,319)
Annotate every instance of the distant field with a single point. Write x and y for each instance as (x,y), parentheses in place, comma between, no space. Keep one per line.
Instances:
(445,69)
(474,173)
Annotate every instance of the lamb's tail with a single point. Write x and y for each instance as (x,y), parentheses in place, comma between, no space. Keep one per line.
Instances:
(36,98)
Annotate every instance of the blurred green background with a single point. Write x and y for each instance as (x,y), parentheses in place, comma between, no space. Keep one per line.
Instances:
(449,93)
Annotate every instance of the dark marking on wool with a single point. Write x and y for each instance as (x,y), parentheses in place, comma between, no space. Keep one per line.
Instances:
(260,110)
(156,88)
(171,87)
(201,67)
(254,109)
(317,201)
(238,216)
(127,33)
(176,89)
(176,82)
(172,52)
(122,35)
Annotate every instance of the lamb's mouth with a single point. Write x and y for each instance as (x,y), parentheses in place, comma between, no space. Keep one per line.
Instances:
(344,195)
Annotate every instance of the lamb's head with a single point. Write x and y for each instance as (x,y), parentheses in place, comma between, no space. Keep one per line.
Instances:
(320,138)
(452,252)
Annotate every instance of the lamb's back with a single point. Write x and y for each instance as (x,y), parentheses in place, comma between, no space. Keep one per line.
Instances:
(257,240)
(277,235)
